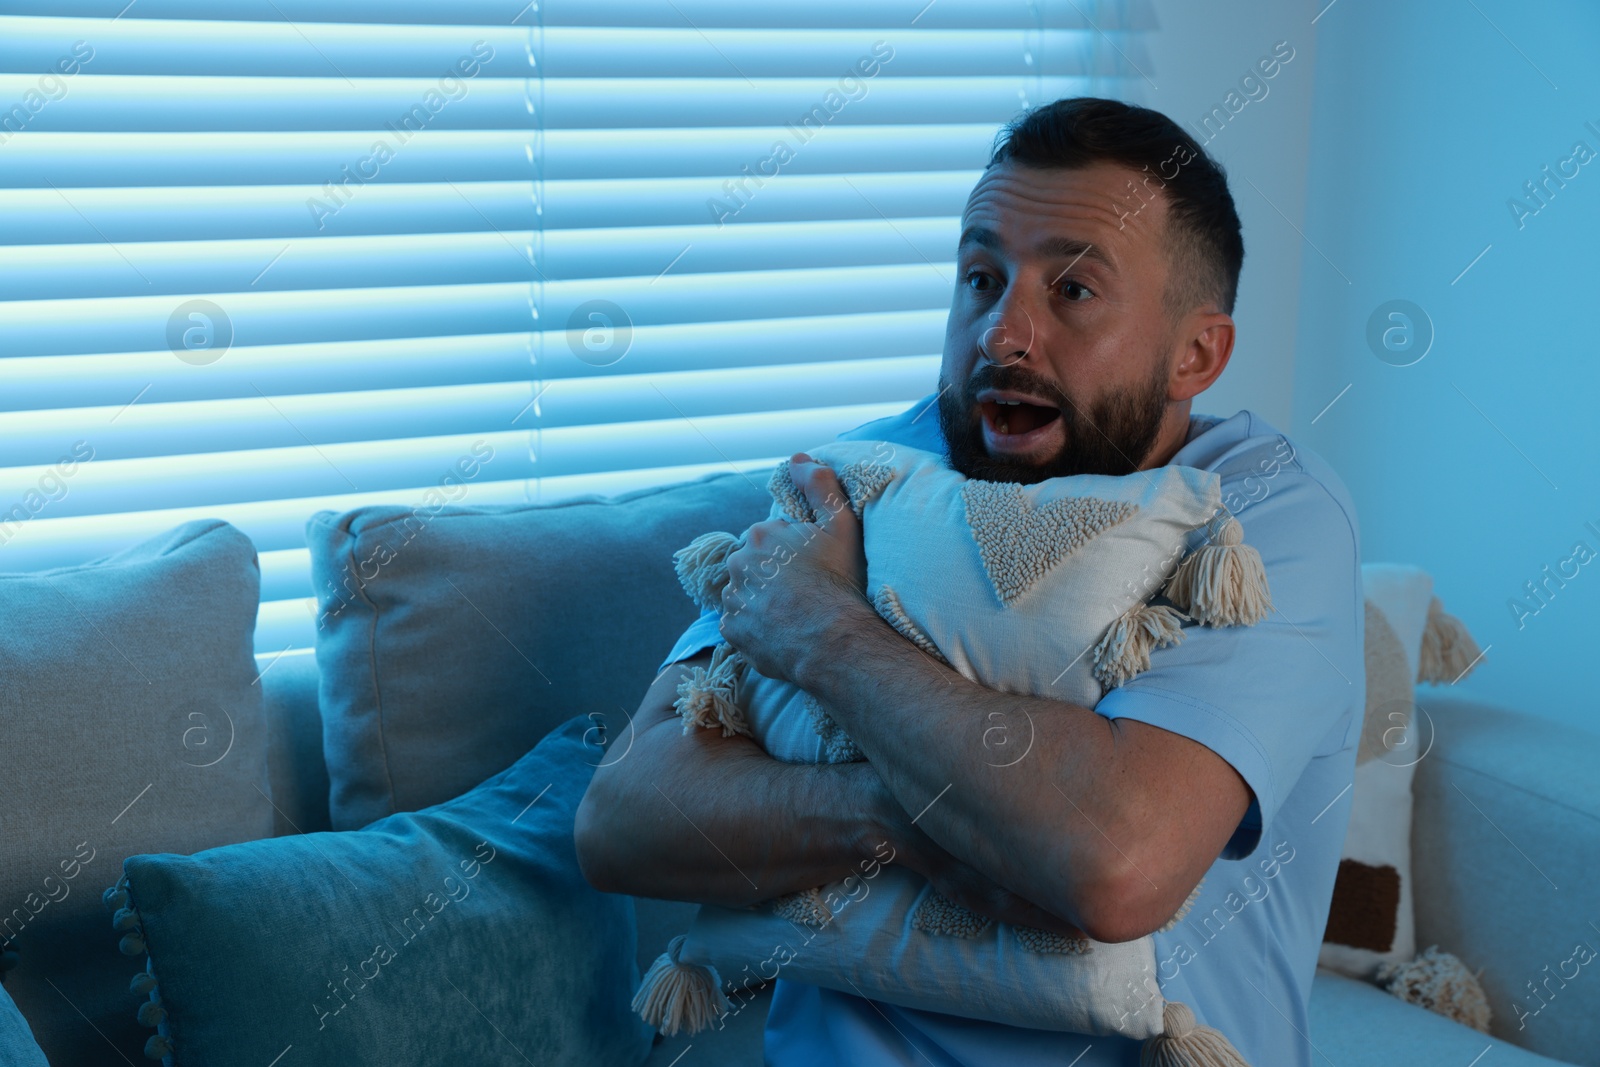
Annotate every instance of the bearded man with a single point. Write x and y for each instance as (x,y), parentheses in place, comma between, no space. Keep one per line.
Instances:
(1097,266)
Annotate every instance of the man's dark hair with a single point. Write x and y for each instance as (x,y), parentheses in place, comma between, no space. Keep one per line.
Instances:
(1202,225)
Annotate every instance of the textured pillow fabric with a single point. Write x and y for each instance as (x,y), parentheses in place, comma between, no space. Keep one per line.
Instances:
(17,1046)
(979,574)
(461,934)
(872,945)
(451,639)
(1371,918)
(132,724)
(1037,589)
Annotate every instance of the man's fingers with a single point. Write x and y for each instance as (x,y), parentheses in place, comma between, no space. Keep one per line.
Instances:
(820,486)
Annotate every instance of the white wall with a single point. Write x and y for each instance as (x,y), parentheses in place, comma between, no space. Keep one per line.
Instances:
(1476,461)
(1197,57)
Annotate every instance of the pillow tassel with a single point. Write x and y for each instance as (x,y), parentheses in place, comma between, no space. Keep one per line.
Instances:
(702,567)
(125,919)
(1186,1043)
(1441,983)
(707,696)
(1448,650)
(151,1012)
(1223,582)
(1184,908)
(679,996)
(1125,649)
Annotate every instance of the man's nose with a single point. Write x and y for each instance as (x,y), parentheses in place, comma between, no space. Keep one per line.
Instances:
(1008,334)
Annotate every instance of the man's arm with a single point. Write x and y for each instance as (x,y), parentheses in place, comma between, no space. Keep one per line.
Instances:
(714,819)
(1108,824)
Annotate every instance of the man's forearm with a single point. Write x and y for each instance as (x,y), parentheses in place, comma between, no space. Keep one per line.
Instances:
(954,751)
(716,820)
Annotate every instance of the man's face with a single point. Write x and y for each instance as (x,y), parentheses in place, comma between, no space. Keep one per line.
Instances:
(1060,278)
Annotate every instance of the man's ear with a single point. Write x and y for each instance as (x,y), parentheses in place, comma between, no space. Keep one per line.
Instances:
(1207,345)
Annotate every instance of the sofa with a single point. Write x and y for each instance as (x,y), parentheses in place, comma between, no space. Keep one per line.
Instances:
(1507,822)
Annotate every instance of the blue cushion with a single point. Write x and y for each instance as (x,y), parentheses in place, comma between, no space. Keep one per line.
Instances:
(463,933)
(17,1046)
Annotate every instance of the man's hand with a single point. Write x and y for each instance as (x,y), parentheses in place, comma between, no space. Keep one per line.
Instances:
(791,583)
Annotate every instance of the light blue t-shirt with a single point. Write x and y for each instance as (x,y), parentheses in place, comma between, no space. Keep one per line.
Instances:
(1282,701)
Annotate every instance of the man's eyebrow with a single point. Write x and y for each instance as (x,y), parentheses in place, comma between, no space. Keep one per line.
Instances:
(1073,249)
(1051,247)
(979,235)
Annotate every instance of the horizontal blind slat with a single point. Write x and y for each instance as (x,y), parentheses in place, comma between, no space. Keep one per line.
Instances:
(698,14)
(133,47)
(72,160)
(35,439)
(103,487)
(117,379)
(399,109)
(118,216)
(42,272)
(279,525)
(142,324)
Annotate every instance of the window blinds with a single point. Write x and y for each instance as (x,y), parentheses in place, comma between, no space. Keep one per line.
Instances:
(264,257)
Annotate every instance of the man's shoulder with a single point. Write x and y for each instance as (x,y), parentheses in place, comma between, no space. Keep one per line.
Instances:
(1257,462)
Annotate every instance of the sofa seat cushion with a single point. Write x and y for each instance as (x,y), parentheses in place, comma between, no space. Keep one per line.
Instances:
(1356,1024)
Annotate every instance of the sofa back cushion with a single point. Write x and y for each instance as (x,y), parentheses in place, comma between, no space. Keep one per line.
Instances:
(451,639)
(133,723)
(294,742)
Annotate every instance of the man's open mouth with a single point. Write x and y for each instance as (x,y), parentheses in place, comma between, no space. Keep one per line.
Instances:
(1014,418)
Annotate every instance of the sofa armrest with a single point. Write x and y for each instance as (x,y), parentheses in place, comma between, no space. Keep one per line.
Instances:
(1505,841)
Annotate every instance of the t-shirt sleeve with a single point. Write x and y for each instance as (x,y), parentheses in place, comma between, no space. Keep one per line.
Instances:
(705,632)
(1267,698)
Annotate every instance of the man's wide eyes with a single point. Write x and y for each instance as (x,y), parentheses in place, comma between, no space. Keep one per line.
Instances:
(982,281)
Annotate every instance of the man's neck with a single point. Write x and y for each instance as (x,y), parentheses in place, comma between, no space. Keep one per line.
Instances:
(1175,431)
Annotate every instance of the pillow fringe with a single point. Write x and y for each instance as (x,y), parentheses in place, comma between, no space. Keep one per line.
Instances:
(677,996)
(1184,1042)
(702,567)
(1448,650)
(1223,582)
(708,696)
(125,919)
(1125,649)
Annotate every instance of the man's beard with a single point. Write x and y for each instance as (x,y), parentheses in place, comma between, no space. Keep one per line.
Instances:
(1112,437)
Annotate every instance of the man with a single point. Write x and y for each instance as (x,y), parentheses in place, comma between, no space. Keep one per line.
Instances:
(1097,265)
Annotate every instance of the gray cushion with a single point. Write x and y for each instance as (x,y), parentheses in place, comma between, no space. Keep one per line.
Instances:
(451,640)
(1356,1024)
(294,747)
(132,724)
